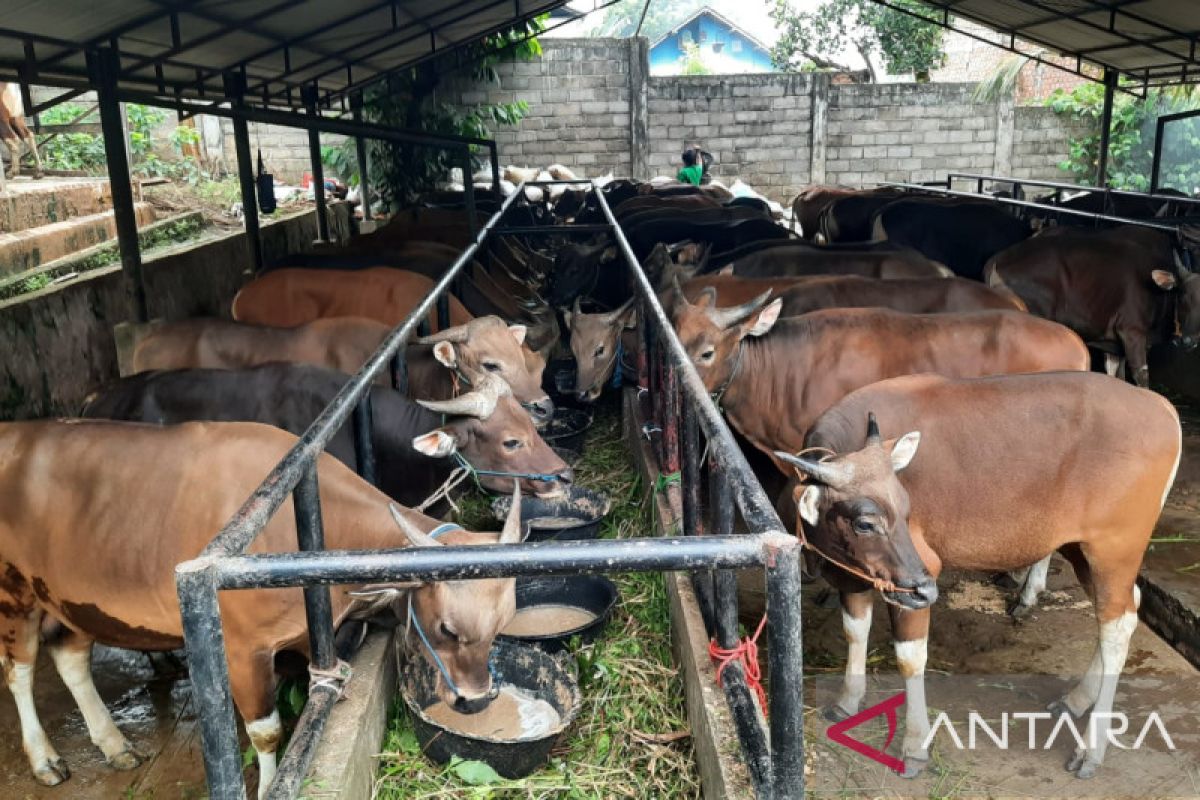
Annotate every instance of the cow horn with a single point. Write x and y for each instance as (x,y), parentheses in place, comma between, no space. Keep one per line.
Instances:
(575,310)
(480,402)
(872,429)
(512,523)
(824,472)
(613,316)
(724,317)
(416,536)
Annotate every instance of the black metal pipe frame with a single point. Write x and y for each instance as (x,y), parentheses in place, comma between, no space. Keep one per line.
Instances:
(317,166)
(1048,210)
(223,565)
(360,150)
(235,87)
(1062,186)
(1159,131)
(1111,79)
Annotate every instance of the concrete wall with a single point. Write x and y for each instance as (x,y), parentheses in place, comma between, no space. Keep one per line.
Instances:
(594,107)
(285,150)
(58,343)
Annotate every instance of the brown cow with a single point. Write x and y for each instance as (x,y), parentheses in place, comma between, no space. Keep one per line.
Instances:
(810,202)
(1122,290)
(773,387)
(911,295)
(887,262)
(285,298)
(1038,481)
(485,344)
(601,343)
(13,129)
(137,523)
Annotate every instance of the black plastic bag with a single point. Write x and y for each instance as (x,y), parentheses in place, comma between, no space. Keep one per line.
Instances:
(266,188)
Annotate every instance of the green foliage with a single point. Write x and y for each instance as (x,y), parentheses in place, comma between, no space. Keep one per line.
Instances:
(693,60)
(403,172)
(75,151)
(906,43)
(621,19)
(1131,138)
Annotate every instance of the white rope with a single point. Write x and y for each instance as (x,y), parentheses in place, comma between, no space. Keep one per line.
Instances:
(335,678)
(457,476)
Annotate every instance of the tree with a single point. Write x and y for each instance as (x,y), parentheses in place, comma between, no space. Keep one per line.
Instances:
(906,43)
(621,19)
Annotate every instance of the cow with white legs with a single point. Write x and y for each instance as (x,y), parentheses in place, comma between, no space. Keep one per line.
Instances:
(136,500)
(14,131)
(1009,470)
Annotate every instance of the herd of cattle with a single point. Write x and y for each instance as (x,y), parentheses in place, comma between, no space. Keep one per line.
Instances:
(912,320)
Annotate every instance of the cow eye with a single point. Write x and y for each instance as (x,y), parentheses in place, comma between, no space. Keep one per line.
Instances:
(449,634)
(491,366)
(512,444)
(708,354)
(864,526)
(599,351)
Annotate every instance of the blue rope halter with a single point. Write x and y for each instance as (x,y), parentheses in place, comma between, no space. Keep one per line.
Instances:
(533,476)
(445,527)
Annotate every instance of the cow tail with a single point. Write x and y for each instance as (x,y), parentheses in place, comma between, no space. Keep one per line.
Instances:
(991,276)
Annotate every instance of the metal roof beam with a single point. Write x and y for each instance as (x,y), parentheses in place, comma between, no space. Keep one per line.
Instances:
(1088,24)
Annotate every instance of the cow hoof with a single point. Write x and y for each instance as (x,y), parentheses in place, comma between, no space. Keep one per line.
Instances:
(127,759)
(1019,611)
(834,713)
(1060,707)
(913,767)
(1083,767)
(52,773)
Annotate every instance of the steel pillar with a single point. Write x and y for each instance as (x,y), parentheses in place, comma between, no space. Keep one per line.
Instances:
(318,168)
(235,89)
(1110,89)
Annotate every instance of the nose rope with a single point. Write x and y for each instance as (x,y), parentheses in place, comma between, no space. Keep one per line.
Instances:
(533,476)
(445,527)
(879,584)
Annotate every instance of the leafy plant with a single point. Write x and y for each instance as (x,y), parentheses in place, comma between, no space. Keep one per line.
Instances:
(693,60)
(906,43)
(1131,137)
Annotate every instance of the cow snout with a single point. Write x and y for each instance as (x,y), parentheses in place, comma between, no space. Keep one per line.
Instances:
(1187,342)
(566,477)
(473,705)
(541,410)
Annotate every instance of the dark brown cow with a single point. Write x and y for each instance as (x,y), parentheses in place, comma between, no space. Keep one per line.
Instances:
(1122,290)
(140,499)
(289,297)
(1010,469)
(811,202)
(888,262)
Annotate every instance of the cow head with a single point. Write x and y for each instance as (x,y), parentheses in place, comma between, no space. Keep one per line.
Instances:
(1183,282)
(712,336)
(489,429)
(488,345)
(854,511)
(577,270)
(461,619)
(595,340)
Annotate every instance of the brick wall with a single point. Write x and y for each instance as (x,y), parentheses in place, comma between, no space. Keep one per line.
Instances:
(594,108)
(756,126)
(285,150)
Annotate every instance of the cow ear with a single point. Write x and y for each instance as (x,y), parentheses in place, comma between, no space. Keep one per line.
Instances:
(766,318)
(904,449)
(707,298)
(629,318)
(567,317)
(444,353)
(1164,280)
(518,332)
(726,270)
(435,444)
(808,497)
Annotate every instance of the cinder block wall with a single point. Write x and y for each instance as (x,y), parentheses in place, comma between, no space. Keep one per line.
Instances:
(907,132)
(1041,140)
(756,126)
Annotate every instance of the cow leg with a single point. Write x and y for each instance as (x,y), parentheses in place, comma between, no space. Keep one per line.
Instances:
(911,635)
(1032,587)
(14,152)
(1113,364)
(252,682)
(856,624)
(18,662)
(37,158)
(1117,616)
(73,659)
(1134,343)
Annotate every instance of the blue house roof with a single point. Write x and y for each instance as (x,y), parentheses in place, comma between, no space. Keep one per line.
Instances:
(724,47)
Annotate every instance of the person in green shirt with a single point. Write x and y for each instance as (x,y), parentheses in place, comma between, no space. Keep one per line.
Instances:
(692,170)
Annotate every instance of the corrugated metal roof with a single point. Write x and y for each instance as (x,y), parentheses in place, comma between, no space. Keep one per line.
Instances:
(182,48)
(1154,42)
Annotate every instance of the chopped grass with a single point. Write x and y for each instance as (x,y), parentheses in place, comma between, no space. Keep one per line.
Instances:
(631,738)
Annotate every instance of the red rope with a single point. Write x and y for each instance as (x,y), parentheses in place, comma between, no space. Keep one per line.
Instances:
(747,653)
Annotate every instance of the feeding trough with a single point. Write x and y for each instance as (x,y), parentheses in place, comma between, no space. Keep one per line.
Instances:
(576,515)
(553,610)
(566,428)
(538,700)
(568,454)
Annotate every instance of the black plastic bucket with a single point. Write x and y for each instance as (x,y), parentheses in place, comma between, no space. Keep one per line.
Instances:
(528,668)
(566,428)
(567,454)
(585,505)
(560,379)
(594,594)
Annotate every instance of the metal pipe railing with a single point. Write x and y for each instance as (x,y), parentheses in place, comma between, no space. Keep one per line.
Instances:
(1062,186)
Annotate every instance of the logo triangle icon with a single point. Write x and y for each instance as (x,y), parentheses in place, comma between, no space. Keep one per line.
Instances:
(837,732)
